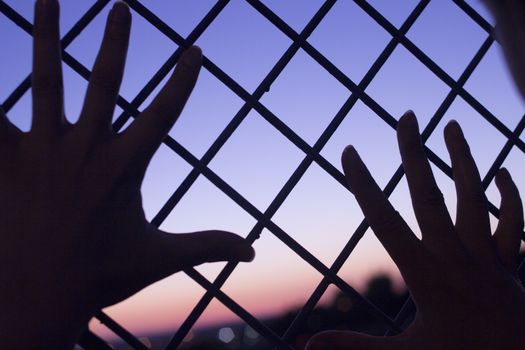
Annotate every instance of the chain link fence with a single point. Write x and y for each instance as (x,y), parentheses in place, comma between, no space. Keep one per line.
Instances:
(311,154)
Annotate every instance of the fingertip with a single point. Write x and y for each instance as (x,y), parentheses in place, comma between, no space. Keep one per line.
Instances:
(252,253)
(408,131)
(229,246)
(452,130)
(46,10)
(507,186)
(499,178)
(504,181)
(410,112)
(120,12)
(242,250)
(192,57)
(502,175)
(348,157)
(454,139)
(195,48)
(121,4)
(408,117)
(118,26)
(47,3)
(349,153)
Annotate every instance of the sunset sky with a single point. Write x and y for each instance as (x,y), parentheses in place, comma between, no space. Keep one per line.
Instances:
(319,213)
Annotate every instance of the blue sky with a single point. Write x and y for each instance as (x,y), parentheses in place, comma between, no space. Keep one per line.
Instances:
(319,213)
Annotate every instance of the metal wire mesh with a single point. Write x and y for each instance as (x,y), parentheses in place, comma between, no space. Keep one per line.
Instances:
(311,154)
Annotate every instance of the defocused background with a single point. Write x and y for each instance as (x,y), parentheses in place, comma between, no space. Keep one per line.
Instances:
(259,158)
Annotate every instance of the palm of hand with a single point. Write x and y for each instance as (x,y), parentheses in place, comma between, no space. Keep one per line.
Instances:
(462,279)
(74,235)
(464,304)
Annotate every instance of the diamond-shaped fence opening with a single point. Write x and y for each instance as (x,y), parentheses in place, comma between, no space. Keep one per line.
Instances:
(264,63)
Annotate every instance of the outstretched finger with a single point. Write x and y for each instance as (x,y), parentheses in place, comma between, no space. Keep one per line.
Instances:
(167,253)
(105,79)
(393,232)
(47,70)
(145,135)
(429,206)
(507,237)
(472,218)
(345,340)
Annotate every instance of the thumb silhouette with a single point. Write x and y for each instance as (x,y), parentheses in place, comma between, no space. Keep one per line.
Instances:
(162,254)
(168,253)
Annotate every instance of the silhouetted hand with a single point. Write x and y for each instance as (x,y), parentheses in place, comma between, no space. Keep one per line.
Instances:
(74,237)
(510,32)
(462,279)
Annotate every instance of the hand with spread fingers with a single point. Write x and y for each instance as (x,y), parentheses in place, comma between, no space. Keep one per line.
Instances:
(461,277)
(74,237)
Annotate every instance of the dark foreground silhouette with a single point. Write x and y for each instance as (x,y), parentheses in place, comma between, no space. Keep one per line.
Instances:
(74,237)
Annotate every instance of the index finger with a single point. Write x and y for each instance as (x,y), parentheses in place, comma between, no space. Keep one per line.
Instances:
(47,70)
(472,217)
(106,77)
(146,134)
(393,232)
(429,205)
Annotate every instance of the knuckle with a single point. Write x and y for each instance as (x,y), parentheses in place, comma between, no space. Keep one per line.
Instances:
(461,149)
(44,33)
(432,198)
(105,81)
(47,84)
(477,199)
(412,147)
(465,155)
